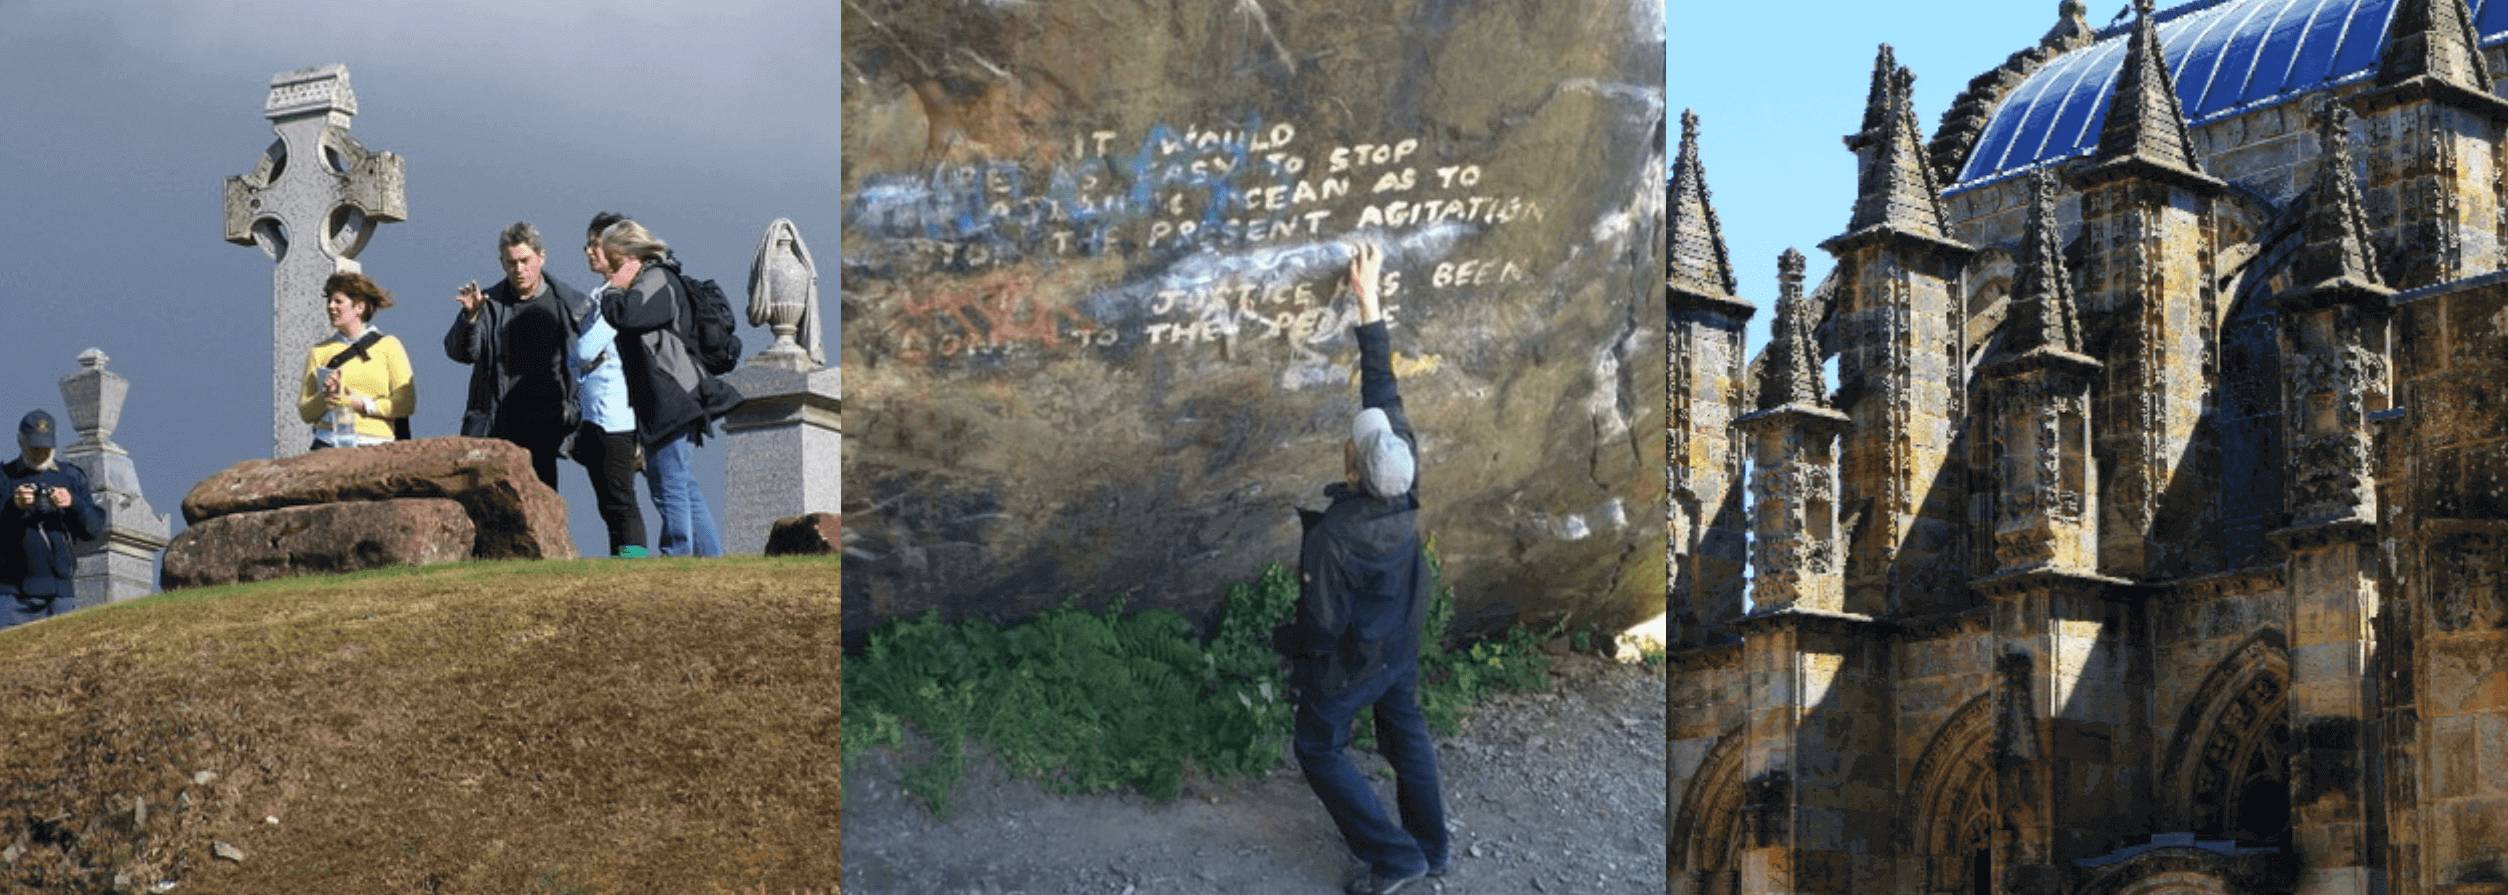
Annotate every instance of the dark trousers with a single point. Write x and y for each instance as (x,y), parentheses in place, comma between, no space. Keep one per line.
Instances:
(610,461)
(544,443)
(1323,735)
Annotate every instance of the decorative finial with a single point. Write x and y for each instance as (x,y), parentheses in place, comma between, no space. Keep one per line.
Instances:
(1689,125)
(93,359)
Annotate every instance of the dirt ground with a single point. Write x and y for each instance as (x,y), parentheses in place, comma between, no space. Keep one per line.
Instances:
(1545,792)
(665,726)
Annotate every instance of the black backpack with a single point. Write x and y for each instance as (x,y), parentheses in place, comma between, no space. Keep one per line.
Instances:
(709,330)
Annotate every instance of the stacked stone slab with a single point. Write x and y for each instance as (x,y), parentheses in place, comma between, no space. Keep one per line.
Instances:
(405,503)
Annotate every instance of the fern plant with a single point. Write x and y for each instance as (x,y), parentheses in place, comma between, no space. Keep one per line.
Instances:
(1093,701)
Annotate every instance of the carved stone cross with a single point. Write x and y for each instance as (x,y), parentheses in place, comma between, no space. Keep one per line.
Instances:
(311,204)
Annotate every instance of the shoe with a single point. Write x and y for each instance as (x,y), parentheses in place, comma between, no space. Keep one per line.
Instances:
(632,551)
(1371,884)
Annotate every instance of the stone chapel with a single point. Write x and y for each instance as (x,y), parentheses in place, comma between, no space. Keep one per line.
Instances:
(2153,535)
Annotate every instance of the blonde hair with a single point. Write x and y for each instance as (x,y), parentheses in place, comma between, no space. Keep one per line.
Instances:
(632,240)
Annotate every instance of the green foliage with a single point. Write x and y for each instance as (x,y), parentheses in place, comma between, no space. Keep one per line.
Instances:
(1093,701)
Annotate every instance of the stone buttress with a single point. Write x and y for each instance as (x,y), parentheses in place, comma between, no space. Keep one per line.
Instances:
(2334,324)
(1706,392)
(1897,328)
(1816,774)
(2148,302)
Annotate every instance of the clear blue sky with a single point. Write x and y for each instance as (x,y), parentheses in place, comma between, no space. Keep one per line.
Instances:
(1776,88)
(706,121)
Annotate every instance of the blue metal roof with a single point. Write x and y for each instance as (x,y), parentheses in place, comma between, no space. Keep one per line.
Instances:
(2227,56)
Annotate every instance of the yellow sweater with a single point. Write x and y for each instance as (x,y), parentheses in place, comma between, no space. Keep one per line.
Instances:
(382,376)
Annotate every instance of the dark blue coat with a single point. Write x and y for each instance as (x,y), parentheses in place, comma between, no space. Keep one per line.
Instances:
(1362,577)
(35,557)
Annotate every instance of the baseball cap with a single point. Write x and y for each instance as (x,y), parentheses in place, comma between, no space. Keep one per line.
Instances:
(35,430)
(1385,462)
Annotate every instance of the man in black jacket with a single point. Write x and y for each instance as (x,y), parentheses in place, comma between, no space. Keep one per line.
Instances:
(1362,599)
(515,336)
(45,505)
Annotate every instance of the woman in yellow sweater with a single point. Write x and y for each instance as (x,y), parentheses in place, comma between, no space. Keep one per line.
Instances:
(372,387)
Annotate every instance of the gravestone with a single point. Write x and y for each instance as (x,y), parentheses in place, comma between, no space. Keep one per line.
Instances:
(121,565)
(310,204)
(786,438)
(1095,331)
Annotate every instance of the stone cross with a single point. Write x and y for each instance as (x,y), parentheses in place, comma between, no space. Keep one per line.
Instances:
(787,436)
(122,564)
(311,204)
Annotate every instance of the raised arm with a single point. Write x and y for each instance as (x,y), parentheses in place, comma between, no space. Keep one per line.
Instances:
(1376,383)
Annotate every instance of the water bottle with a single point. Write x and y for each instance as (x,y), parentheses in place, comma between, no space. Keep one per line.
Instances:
(343,419)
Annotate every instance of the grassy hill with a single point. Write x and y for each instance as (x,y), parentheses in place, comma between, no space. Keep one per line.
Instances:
(521,727)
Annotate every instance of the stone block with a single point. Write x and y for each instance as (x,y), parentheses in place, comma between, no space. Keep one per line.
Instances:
(516,516)
(318,540)
(809,534)
(2464,673)
(2469,838)
(2491,751)
(2454,768)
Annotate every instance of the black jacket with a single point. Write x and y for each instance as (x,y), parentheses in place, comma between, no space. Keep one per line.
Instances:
(480,344)
(35,555)
(1362,577)
(671,393)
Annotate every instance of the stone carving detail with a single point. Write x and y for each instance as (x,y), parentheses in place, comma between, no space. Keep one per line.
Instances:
(1706,834)
(2333,333)
(1794,482)
(2234,723)
(784,296)
(2465,582)
(1952,812)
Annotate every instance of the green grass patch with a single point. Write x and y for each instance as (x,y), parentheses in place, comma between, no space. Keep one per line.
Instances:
(1090,701)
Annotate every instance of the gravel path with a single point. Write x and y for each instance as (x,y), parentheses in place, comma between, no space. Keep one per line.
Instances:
(1545,792)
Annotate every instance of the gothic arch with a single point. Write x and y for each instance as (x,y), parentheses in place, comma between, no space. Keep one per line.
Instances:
(1950,815)
(1707,835)
(2175,871)
(2227,770)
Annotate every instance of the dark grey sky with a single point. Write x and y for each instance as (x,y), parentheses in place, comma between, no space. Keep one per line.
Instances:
(119,122)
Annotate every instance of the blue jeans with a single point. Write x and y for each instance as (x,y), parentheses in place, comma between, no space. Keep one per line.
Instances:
(687,524)
(1323,733)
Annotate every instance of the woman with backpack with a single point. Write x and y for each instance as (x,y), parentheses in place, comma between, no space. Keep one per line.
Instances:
(670,391)
(357,387)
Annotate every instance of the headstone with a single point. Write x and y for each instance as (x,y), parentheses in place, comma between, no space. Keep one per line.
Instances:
(787,437)
(310,204)
(1096,337)
(121,565)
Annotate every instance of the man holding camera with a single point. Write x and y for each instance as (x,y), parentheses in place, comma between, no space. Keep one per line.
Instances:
(47,506)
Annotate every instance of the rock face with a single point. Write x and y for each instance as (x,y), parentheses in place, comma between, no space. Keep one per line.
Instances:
(1096,337)
(514,514)
(809,534)
(318,540)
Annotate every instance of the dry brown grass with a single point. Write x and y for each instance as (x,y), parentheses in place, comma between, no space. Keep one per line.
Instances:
(586,726)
